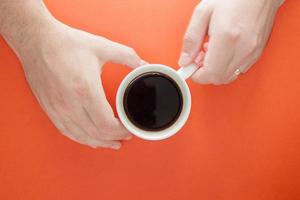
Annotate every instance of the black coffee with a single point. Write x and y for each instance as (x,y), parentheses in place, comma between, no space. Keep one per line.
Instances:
(153,101)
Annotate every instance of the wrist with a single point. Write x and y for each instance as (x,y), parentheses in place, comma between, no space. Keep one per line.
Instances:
(23,22)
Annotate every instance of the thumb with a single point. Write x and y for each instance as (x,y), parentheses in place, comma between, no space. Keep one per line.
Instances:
(195,34)
(120,54)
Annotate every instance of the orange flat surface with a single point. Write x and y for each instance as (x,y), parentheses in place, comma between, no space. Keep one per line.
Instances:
(242,141)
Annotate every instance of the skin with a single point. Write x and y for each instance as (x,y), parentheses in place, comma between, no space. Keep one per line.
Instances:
(62,64)
(238,32)
(62,67)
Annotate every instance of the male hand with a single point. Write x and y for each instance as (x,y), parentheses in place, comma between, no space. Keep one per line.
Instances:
(238,31)
(62,66)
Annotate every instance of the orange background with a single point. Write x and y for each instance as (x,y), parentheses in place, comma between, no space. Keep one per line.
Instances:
(242,141)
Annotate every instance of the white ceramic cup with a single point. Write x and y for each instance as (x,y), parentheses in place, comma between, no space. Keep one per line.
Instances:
(179,77)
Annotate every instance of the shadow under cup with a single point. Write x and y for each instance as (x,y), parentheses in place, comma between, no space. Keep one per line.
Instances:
(153,102)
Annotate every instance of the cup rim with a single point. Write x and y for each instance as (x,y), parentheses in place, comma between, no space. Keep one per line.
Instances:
(175,127)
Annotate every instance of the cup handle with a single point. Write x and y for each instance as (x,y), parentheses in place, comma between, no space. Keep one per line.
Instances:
(187,72)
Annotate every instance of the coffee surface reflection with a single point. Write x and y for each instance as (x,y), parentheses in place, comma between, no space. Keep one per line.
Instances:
(153,101)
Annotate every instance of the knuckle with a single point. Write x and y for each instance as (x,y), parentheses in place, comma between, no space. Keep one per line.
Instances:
(229,31)
(130,51)
(232,33)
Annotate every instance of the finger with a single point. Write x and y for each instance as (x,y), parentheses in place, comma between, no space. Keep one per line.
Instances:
(82,118)
(195,34)
(200,76)
(73,131)
(106,131)
(243,60)
(232,79)
(221,51)
(74,113)
(233,72)
(200,58)
(101,114)
(120,54)
(79,116)
(65,126)
(56,118)
(69,128)
(243,69)
(106,144)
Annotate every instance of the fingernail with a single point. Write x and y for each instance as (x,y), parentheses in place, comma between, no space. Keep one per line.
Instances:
(116,146)
(143,63)
(184,59)
(129,137)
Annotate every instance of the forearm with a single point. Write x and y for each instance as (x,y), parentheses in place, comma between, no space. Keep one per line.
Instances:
(20,20)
